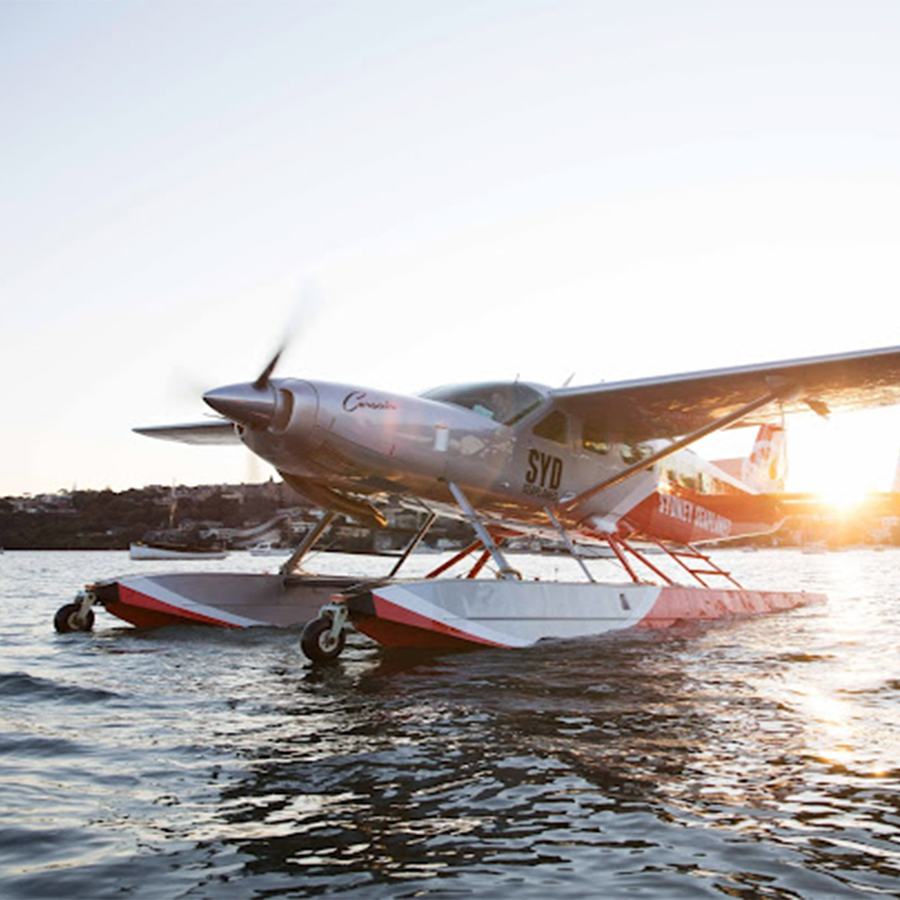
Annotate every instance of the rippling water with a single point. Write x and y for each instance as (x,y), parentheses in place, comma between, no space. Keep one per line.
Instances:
(749,758)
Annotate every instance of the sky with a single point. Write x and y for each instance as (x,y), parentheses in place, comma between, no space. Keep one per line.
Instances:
(425,193)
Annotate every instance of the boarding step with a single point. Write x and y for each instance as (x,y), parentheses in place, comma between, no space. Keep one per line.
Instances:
(704,564)
(691,560)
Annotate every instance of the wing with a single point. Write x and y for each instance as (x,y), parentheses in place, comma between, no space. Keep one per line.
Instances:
(211,431)
(675,405)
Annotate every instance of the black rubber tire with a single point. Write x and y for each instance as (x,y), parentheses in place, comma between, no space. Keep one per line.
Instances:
(317,645)
(65,621)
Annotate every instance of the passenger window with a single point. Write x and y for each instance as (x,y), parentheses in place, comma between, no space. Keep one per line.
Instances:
(553,428)
(593,438)
(632,453)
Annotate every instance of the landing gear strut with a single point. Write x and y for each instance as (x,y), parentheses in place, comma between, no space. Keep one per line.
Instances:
(77,616)
(323,638)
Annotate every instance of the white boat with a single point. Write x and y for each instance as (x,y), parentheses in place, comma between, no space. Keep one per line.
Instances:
(173,544)
(141,550)
(267,548)
(816,547)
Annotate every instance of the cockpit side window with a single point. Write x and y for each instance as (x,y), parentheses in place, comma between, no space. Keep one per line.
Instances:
(503,402)
(553,427)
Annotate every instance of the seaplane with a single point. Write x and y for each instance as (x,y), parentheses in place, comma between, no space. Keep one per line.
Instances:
(609,464)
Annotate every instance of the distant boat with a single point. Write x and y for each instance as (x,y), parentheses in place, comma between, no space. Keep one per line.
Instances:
(175,543)
(816,547)
(142,550)
(267,548)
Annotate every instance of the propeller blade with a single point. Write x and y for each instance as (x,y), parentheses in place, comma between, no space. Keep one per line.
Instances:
(306,308)
(263,379)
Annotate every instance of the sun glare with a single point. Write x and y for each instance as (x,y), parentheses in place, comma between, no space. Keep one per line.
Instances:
(845,498)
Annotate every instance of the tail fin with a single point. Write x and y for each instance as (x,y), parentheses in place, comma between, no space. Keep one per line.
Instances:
(765,470)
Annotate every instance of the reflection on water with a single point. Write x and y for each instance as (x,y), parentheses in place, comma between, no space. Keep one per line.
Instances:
(751,758)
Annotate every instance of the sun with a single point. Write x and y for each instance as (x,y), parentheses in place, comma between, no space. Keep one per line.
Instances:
(845,460)
(845,498)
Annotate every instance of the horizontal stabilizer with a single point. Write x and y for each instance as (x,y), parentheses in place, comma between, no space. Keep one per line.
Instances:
(211,431)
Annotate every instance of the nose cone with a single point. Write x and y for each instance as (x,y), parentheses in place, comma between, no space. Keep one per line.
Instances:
(244,404)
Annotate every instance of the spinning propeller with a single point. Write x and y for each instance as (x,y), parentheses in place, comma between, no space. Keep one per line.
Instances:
(262,381)
(255,404)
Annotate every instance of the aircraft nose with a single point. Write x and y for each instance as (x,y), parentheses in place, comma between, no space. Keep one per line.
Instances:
(244,404)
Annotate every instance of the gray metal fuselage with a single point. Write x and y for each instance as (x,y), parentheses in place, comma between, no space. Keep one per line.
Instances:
(368,441)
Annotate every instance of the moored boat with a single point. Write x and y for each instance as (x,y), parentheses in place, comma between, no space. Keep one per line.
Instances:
(152,550)
(267,548)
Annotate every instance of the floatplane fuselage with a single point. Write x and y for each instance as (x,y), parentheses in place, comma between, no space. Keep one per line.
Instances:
(610,463)
(519,460)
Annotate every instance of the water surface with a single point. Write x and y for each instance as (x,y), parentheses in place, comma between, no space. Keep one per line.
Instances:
(748,758)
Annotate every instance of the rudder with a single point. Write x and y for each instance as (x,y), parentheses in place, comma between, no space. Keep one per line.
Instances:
(766,468)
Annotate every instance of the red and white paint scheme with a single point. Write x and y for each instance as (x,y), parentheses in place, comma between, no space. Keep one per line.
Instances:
(453,614)
(228,599)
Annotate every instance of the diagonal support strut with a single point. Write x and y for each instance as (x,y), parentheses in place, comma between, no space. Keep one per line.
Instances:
(775,394)
(506,570)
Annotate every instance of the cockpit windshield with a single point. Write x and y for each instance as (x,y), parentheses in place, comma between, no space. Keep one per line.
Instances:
(501,401)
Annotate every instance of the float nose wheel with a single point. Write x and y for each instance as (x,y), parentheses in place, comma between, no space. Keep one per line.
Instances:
(323,638)
(77,616)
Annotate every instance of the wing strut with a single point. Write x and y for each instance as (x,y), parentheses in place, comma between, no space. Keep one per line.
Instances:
(417,537)
(779,393)
(290,566)
(506,571)
(573,551)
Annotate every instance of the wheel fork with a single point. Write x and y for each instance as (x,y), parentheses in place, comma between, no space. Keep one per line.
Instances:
(85,600)
(337,612)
